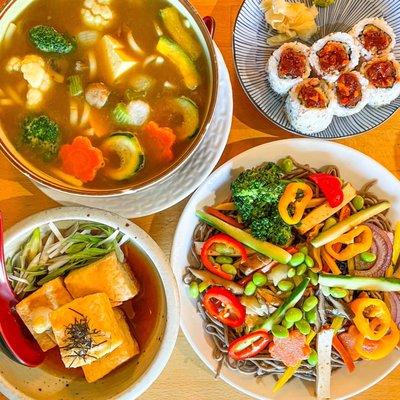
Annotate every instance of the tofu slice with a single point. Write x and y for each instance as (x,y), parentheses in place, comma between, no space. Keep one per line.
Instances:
(106,275)
(86,330)
(115,58)
(35,310)
(324,349)
(128,349)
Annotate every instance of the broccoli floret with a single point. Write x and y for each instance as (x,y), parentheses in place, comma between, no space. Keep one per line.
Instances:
(49,40)
(42,135)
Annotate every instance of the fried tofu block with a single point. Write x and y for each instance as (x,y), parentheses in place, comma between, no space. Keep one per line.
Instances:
(86,330)
(35,310)
(106,275)
(128,349)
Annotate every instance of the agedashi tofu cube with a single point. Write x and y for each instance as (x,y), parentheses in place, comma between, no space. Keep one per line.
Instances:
(86,329)
(106,275)
(128,349)
(35,310)
(115,58)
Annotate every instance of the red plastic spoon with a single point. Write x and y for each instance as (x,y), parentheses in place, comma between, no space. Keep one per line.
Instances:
(15,336)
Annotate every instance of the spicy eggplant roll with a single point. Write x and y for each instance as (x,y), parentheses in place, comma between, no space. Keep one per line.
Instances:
(334,54)
(288,66)
(383,74)
(374,37)
(350,94)
(309,106)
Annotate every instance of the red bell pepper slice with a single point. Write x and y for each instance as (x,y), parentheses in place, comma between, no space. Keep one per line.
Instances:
(221,304)
(330,186)
(249,345)
(210,264)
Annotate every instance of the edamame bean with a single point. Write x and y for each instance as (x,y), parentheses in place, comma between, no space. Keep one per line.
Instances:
(329,223)
(286,164)
(204,286)
(297,280)
(285,285)
(312,316)
(301,269)
(358,202)
(304,250)
(250,289)
(313,277)
(368,257)
(194,290)
(280,331)
(297,259)
(287,324)
(259,279)
(291,272)
(303,326)
(338,293)
(309,261)
(293,315)
(229,269)
(313,358)
(310,303)
(223,249)
(224,260)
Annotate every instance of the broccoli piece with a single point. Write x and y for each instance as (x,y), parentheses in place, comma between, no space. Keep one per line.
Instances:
(49,40)
(42,135)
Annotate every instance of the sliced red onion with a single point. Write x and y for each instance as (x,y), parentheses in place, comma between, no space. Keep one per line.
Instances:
(394,303)
(381,246)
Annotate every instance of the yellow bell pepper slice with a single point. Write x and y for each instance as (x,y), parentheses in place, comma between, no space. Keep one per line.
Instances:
(396,244)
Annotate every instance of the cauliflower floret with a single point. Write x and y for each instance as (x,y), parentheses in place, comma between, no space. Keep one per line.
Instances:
(97,13)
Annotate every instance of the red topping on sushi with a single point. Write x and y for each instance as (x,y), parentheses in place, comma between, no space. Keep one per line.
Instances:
(292,64)
(348,90)
(333,57)
(381,74)
(374,39)
(311,94)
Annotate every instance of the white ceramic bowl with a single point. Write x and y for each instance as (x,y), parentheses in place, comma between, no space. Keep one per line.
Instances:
(356,168)
(133,378)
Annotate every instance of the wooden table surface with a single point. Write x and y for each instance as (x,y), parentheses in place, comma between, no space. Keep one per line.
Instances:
(185,376)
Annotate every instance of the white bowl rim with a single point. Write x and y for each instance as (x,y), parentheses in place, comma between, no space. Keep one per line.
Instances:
(150,248)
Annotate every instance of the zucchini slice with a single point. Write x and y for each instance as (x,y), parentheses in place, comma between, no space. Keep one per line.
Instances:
(127,148)
(173,52)
(189,115)
(182,35)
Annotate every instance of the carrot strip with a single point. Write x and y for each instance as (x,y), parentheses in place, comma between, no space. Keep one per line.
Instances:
(226,218)
(343,214)
(330,262)
(344,354)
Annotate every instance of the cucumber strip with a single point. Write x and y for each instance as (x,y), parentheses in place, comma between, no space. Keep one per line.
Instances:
(360,283)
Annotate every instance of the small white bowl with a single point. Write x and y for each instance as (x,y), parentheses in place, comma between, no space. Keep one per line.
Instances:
(133,378)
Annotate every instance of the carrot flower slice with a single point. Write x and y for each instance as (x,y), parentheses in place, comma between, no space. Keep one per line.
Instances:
(80,159)
(161,140)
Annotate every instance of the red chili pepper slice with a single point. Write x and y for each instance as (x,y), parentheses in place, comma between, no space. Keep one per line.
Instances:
(330,186)
(210,264)
(249,345)
(224,306)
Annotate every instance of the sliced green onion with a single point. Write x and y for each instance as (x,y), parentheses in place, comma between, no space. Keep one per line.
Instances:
(121,115)
(75,85)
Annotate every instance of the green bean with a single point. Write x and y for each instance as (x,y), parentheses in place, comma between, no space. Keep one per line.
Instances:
(313,358)
(310,303)
(291,272)
(329,223)
(309,262)
(304,250)
(286,165)
(297,259)
(338,293)
(285,285)
(224,260)
(250,289)
(358,202)
(312,316)
(313,277)
(229,269)
(204,286)
(293,315)
(303,326)
(368,257)
(223,249)
(194,290)
(287,324)
(301,269)
(260,279)
(280,331)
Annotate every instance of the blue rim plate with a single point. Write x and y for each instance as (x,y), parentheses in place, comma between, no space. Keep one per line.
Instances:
(251,53)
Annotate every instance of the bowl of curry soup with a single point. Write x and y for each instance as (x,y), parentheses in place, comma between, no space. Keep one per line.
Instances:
(103,97)
(107,319)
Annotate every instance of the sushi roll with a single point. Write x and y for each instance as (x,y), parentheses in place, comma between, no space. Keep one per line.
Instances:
(288,66)
(350,94)
(383,74)
(374,37)
(309,106)
(334,54)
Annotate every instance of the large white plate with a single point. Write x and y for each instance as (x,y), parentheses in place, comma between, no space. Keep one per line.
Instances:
(355,167)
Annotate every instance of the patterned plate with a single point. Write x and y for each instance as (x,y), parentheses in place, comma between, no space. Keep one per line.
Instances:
(251,54)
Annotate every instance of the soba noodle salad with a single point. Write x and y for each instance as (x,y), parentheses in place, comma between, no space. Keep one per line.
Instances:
(296,274)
